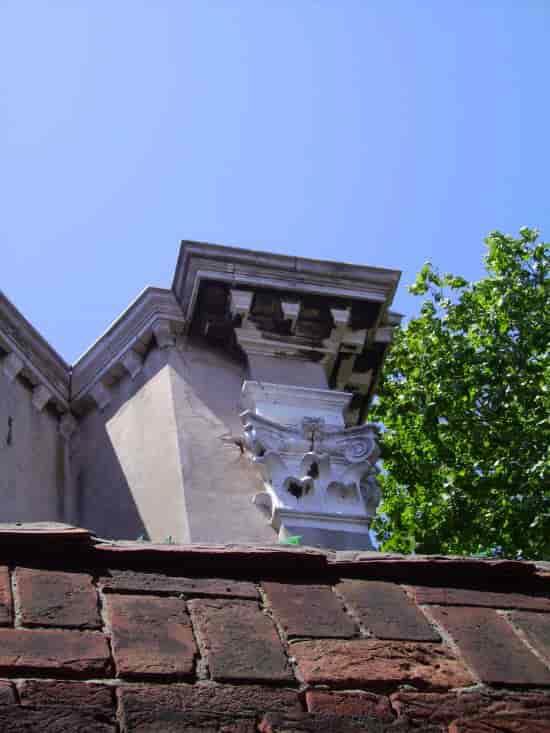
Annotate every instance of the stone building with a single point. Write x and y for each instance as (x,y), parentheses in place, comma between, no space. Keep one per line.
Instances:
(230,408)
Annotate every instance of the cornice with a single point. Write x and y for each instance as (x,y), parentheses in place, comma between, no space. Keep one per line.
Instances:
(44,367)
(120,345)
(199,261)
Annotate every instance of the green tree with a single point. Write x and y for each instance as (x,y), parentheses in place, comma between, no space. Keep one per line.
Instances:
(465,405)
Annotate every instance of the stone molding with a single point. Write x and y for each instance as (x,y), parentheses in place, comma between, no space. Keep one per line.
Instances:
(200,261)
(154,314)
(29,353)
(317,472)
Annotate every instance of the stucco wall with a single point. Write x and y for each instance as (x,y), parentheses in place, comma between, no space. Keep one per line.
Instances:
(159,461)
(218,480)
(31,458)
(126,463)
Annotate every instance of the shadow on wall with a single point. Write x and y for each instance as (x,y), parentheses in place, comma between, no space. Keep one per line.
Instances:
(121,459)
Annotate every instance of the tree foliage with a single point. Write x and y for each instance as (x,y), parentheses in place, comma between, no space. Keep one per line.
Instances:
(465,405)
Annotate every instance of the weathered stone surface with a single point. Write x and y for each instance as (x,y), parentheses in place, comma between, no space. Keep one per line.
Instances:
(240,642)
(490,645)
(528,722)
(52,719)
(50,598)
(7,693)
(467,597)
(536,627)
(443,708)
(54,650)
(309,610)
(379,664)
(240,701)
(75,694)
(152,637)
(341,703)
(387,611)
(128,581)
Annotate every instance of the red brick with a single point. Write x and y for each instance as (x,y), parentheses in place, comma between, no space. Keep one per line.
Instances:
(151,637)
(443,708)
(51,598)
(536,627)
(177,721)
(128,581)
(240,642)
(309,610)
(7,693)
(490,646)
(342,703)
(16,719)
(529,722)
(379,664)
(75,694)
(312,723)
(6,614)
(54,650)
(239,701)
(387,611)
(465,597)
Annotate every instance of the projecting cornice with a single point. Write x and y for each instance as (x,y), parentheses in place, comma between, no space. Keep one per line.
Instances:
(155,314)
(267,304)
(27,353)
(199,261)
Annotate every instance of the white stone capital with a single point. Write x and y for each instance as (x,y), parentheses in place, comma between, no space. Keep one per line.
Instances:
(315,470)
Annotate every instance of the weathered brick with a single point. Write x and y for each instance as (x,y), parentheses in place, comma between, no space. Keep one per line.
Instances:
(309,610)
(54,650)
(491,647)
(51,598)
(6,613)
(311,723)
(239,701)
(387,611)
(536,627)
(240,642)
(528,722)
(7,693)
(177,721)
(369,662)
(52,719)
(443,708)
(128,581)
(152,637)
(342,703)
(467,597)
(74,694)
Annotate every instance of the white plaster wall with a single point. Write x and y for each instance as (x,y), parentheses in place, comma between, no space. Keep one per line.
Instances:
(128,476)
(160,461)
(219,481)
(31,465)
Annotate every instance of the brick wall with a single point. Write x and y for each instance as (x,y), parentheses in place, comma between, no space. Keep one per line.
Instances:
(88,647)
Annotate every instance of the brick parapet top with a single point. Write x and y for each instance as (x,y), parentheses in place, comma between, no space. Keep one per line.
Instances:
(127,637)
(47,542)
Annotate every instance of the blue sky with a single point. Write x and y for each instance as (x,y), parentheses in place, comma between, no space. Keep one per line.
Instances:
(383,133)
